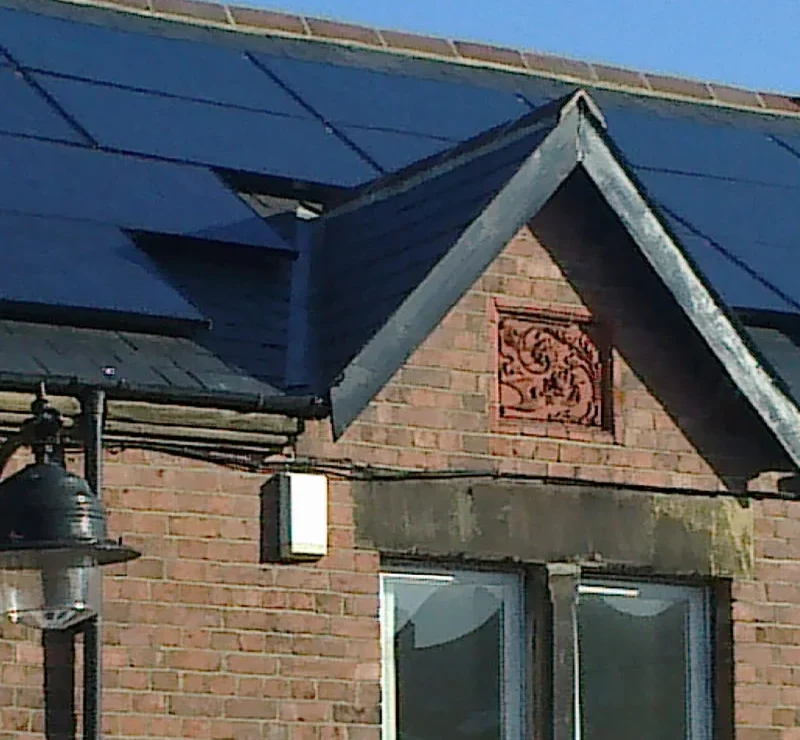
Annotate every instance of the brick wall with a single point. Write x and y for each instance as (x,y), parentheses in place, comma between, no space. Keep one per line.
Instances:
(766,614)
(437,413)
(201,641)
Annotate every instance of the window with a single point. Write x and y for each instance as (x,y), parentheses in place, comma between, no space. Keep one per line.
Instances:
(452,655)
(643,657)
(454,652)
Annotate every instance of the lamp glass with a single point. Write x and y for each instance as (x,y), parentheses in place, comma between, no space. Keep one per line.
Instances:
(54,593)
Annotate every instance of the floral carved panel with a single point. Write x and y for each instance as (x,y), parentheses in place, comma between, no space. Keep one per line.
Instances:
(550,368)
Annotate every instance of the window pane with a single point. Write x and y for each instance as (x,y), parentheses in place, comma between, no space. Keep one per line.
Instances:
(451,649)
(643,662)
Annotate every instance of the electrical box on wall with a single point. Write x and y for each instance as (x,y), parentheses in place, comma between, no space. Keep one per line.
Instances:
(300,510)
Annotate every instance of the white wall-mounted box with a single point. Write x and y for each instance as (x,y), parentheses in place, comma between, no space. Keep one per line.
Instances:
(302,510)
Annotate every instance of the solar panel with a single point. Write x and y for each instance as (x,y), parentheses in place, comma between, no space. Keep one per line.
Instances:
(792,142)
(700,145)
(735,285)
(58,262)
(233,138)
(393,150)
(781,352)
(750,213)
(50,179)
(394,102)
(25,111)
(168,65)
(754,223)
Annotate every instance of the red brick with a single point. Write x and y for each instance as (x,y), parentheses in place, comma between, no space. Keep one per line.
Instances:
(193,706)
(336,691)
(328,668)
(321,646)
(303,689)
(299,623)
(218,684)
(363,733)
(302,578)
(366,606)
(304,711)
(261,665)
(199,626)
(251,708)
(351,714)
(194,660)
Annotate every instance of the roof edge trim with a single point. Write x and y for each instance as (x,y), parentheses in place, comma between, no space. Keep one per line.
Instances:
(581,99)
(394,183)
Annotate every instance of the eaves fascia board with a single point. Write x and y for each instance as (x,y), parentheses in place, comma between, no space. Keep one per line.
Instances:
(297,407)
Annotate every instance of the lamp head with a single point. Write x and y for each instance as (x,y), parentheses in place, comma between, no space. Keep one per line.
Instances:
(52,537)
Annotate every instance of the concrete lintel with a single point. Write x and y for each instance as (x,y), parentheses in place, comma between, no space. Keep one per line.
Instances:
(611,528)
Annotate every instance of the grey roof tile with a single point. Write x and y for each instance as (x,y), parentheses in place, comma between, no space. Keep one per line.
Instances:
(247,301)
(17,360)
(176,376)
(111,359)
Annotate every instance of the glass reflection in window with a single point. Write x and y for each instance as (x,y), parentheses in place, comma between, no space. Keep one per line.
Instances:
(643,661)
(452,648)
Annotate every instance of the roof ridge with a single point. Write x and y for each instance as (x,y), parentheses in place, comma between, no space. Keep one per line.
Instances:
(257,21)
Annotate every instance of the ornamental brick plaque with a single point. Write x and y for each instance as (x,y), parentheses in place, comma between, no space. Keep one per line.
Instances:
(550,368)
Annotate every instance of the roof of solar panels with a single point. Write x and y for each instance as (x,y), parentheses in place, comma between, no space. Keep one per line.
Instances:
(174,175)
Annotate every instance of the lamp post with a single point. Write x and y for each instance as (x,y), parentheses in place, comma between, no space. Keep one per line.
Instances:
(53,541)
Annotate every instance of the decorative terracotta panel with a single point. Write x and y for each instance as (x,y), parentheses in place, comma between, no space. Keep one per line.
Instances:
(550,368)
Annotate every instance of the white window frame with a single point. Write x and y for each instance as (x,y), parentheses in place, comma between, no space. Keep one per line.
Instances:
(699,701)
(515,647)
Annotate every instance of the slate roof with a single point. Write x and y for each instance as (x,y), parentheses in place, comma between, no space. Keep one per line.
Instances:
(125,137)
(126,363)
(375,250)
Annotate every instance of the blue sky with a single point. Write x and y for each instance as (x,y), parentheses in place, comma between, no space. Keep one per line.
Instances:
(750,43)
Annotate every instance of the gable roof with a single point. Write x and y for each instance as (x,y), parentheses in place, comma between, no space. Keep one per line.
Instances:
(416,217)
(386,125)
(534,157)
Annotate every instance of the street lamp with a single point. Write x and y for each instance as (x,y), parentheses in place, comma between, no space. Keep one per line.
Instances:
(52,536)
(53,541)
